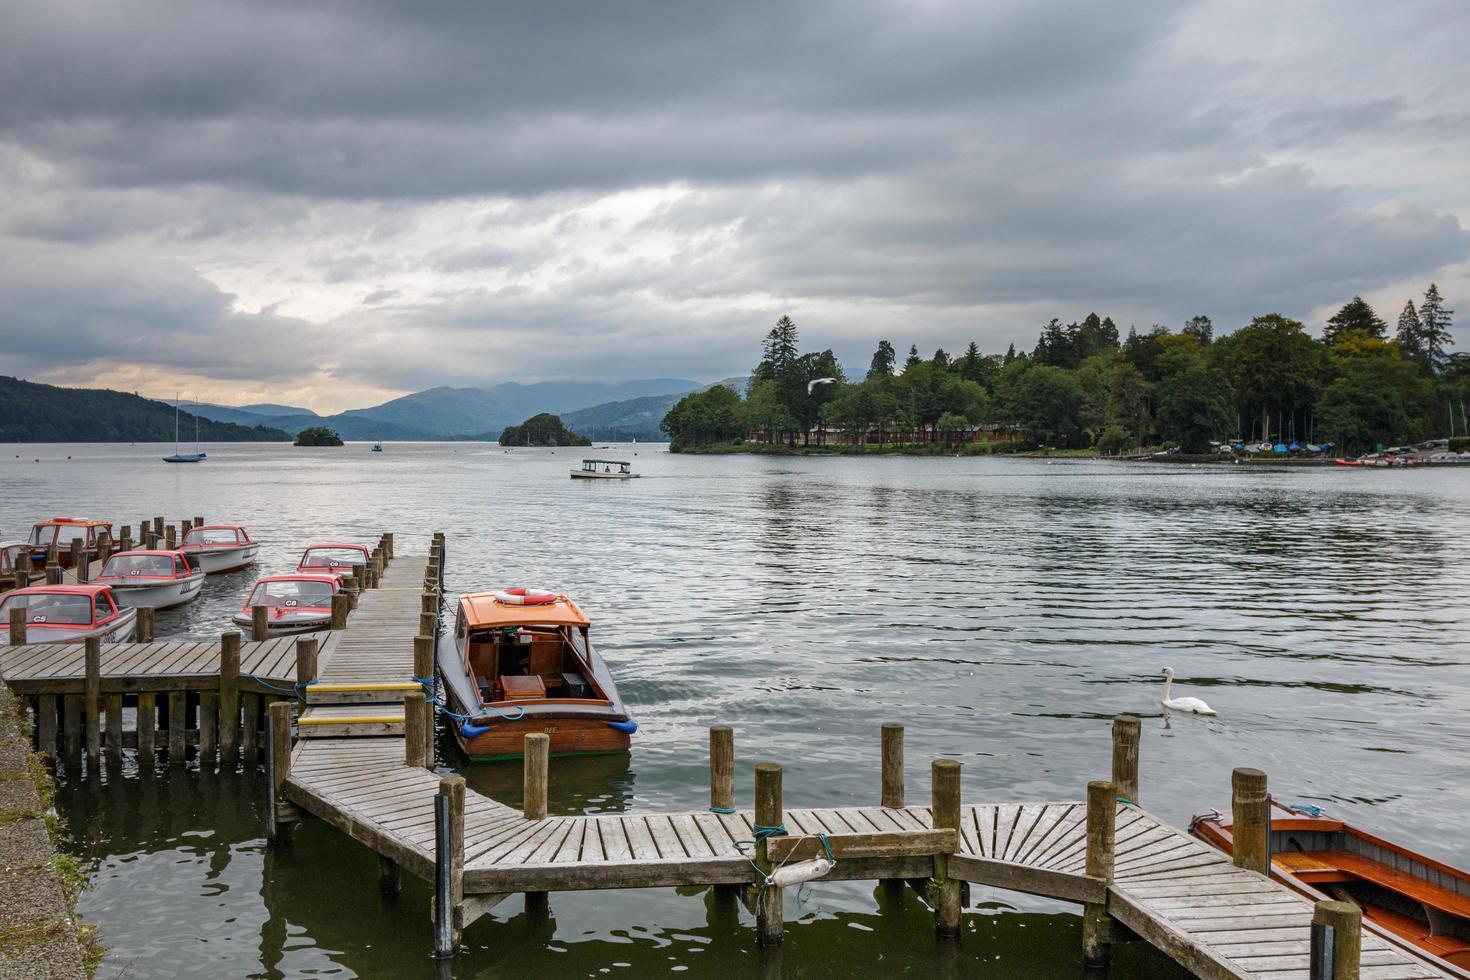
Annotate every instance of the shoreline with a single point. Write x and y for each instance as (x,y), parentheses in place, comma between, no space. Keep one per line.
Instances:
(40,935)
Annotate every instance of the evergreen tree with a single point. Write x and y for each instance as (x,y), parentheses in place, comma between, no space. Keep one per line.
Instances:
(940,360)
(913,358)
(883,360)
(1409,332)
(1010,355)
(1355,315)
(1201,328)
(1434,327)
(969,363)
(780,346)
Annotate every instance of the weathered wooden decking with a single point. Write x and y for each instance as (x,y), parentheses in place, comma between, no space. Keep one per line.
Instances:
(183,665)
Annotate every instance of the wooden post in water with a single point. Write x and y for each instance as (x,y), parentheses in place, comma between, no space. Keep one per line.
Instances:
(1126,731)
(769,917)
(92,702)
(71,729)
(721,768)
(1250,807)
(104,547)
(341,606)
(17,626)
(249,726)
(143,625)
(260,618)
(198,521)
(113,705)
(352,588)
(428,603)
(23,568)
(54,574)
(423,672)
(158,527)
(77,559)
(229,700)
(537,754)
(148,539)
(306,654)
(945,806)
(147,721)
(388,545)
(126,542)
(1337,941)
(449,866)
(428,624)
(208,729)
(278,760)
(170,540)
(415,719)
(1102,813)
(177,718)
(892,764)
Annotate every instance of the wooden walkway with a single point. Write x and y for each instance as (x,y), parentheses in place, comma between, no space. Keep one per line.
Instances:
(181,665)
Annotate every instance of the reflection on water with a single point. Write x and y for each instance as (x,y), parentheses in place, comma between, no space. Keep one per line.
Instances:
(1004,610)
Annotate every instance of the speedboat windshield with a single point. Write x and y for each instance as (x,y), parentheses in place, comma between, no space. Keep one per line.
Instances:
(211,535)
(332,558)
(155,566)
(291,594)
(50,607)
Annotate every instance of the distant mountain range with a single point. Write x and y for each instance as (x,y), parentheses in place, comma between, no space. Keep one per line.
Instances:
(630,410)
(31,412)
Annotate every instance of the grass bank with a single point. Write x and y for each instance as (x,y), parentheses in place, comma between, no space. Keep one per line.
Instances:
(39,882)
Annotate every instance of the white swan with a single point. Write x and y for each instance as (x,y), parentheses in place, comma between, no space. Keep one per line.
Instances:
(1194,705)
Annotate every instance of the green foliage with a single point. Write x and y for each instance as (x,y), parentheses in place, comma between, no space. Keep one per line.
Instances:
(1355,315)
(1193,398)
(707,417)
(1115,439)
(318,435)
(31,412)
(1460,444)
(1047,401)
(1375,399)
(542,430)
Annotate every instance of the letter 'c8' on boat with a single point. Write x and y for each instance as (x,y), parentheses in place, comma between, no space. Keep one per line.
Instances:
(521,662)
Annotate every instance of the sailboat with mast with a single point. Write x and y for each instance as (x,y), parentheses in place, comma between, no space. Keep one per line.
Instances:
(196,456)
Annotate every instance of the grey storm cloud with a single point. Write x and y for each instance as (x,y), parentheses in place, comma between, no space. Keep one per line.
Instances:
(443,180)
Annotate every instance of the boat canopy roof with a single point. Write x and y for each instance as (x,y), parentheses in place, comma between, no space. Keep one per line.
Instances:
(608,462)
(83,521)
(483,610)
(300,577)
(91,589)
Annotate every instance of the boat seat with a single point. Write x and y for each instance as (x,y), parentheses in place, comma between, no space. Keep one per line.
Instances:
(1426,893)
(523,687)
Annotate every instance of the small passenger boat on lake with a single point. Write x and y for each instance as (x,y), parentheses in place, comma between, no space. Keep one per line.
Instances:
(1413,901)
(604,469)
(332,559)
(70,613)
(520,662)
(219,548)
(152,579)
(295,604)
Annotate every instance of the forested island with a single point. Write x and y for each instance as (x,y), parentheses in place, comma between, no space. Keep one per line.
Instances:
(31,412)
(541,430)
(318,435)
(1083,387)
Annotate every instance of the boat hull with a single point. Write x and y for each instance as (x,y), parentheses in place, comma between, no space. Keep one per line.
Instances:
(569,736)
(161,594)
(284,627)
(120,631)
(584,475)
(218,560)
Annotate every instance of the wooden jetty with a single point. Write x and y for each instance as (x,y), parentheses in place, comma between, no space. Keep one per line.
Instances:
(345,730)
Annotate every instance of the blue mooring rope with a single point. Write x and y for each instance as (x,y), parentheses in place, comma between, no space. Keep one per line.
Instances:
(295,690)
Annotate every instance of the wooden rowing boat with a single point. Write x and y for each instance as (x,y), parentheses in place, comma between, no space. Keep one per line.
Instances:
(520,662)
(1416,902)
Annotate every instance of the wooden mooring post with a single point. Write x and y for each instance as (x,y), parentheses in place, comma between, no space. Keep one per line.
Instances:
(229,700)
(537,776)
(722,769)
(260,618)
(1126,732)
(448,866)
(1250,806)
(143,625)
(423,672)
(769,915)
(1102,815)
(341,606)
(78,559)
(415,719)
(892,764)
(306,658)
(945,807)
(17,627)
(280,814)
(1337,941)
(92,702)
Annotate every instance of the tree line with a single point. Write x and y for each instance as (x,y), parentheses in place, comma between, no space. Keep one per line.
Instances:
(1083,385)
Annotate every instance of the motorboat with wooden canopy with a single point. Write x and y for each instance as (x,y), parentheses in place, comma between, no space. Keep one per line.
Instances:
(1415,902)
(521,661)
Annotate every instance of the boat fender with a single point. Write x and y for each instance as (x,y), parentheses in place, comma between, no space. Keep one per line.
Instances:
(626,727)
(524,597)
(469,730)
(802,871)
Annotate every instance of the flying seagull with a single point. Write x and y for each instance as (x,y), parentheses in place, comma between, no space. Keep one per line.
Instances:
(819,381)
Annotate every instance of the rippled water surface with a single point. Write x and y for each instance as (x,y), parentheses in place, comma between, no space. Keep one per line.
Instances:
(1004,610)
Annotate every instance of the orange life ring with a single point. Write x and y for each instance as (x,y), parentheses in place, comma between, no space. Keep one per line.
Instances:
(524,597)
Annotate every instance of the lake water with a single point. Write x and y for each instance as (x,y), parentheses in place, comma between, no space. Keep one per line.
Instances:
(1003,609)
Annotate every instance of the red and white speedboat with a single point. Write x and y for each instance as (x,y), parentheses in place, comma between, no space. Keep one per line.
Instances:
(152,579)
(219,548)
(61,531)
(70,613)
(332,559)
(297,603)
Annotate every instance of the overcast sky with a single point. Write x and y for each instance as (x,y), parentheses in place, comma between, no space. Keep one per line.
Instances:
(334,203)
